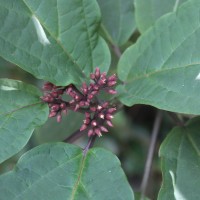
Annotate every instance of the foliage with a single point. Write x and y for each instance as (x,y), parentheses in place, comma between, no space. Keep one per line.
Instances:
(77,48)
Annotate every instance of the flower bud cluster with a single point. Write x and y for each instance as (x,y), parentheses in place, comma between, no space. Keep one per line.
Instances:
(84,100)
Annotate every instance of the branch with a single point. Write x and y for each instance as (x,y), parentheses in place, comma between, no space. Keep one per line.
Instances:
(89,144)
(117,51)
(74,136)
(149,160)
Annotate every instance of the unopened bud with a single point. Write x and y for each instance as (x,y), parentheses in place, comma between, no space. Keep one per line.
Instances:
(101,115)
(92,76)
(52,114)
(59,118)
(109,116)
(97,73)
(112,78)
(111,83)
(82,103)
(94,123)
(55,107)
(54,94)
(111,110)
(83,127)
(90,132)
(104,129)
(112,91)
(47,86)
(86,121)
(63,106)
(93,109)
(76,107)
(97,131)
(109,123)
(87,115)
(90,96)
(105,104)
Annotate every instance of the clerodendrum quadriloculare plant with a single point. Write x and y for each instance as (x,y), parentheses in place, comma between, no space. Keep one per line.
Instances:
(70,45)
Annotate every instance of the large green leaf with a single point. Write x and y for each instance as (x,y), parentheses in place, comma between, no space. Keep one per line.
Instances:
(118,19)
(21,111)
(163,68)
(54,40)
(60,171)
(147,12)
(180,154)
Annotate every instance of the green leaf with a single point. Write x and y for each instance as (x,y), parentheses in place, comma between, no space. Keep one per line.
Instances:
(60,171)
(56,41)
(163,68)
(147,12)
(118,19)
(180,154)
(21,111)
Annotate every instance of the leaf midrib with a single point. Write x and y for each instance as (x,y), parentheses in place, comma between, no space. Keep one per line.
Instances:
(46,175)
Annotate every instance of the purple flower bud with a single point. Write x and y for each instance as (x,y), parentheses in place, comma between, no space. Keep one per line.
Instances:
(90,132)
(97,131)
(87,115)
(55,107)
(47,99)
(111,83)
(103,75)
(109,123)
(112,78)
(90,96)
(96,87)
(86,121)
(111,110)
(77,97)
(101,115)
(83,127)
(99,108)
(94,92)
(76,107)
(93,109)
(92,76)
(54,94)
(52,114)
(97,73)
(105,104)
(82,103)
(47,86)
(111,91)
(63,106)
(102,82)
(104,129)
(94,123)
(109,116)
(59,118)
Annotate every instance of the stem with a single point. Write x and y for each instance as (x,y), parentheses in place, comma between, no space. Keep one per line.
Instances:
(89,144)
(175,119)
(149,160)
(117,51)
(74,136)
